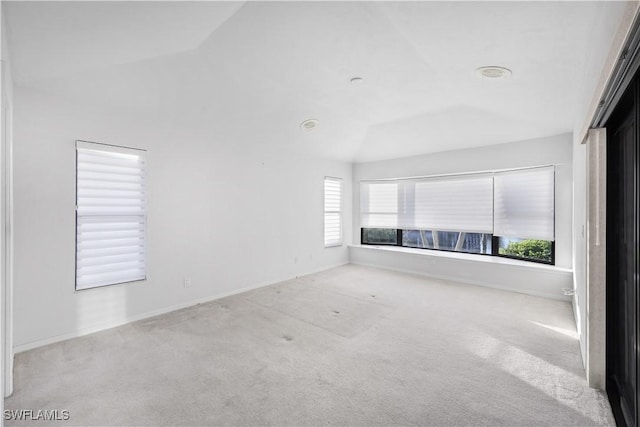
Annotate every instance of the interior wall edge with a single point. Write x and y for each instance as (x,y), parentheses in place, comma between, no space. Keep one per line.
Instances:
(579,245)
(6,215)
(596,259)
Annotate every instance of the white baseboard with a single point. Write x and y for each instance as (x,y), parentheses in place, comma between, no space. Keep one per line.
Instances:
(515,276)
(129,319)
(466,281)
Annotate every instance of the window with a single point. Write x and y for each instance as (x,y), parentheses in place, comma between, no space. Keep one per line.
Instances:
(380,236)
(456,241)
(507,214)
(110,215)
(379,204)
(332,211)
(527,249)
(524,205)
(460,203)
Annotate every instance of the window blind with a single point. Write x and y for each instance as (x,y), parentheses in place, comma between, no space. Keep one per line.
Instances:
(379,204)
(462,203)
(524,204)
(332,211)
(110,215)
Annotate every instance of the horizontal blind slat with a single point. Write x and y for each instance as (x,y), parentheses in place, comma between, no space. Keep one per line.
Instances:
(110,259)
(90,253)
(110,267)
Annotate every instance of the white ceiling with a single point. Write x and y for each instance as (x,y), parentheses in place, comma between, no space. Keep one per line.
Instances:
(253,71)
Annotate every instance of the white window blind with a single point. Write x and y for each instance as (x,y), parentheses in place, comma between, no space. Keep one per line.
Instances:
(524,203)
(379,204)
(332,211)
(460,203)
(110,215)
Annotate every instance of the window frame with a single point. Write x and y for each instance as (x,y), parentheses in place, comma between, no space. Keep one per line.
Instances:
(494,246)
(91,145)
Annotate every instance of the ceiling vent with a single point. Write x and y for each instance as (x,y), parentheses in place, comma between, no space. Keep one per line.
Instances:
(493,72)
(309,124)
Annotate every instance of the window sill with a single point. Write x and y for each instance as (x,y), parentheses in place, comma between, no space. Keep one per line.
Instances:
(467,257)
(110,285)
(335,245)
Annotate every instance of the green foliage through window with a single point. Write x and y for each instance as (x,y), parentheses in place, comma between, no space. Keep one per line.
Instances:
(530,249)
(383,236)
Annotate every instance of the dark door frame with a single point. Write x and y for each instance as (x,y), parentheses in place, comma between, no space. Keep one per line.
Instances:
(622,293)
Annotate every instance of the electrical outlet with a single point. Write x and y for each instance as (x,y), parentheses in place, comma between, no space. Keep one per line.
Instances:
(187,282)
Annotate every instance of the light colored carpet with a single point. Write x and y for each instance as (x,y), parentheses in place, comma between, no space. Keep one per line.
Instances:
(348,346)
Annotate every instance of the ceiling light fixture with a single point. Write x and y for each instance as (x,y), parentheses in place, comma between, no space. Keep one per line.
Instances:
(309,124)
(493,72)
(356,80)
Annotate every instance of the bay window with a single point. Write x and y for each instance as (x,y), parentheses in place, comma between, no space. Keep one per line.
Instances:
(507,213)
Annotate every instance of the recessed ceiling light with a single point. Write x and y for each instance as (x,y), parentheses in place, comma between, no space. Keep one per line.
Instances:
(356,80)
(309,124)
(493,72)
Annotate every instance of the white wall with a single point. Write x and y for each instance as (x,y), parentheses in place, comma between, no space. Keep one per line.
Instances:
(555,150)
(579,243)
(606,41)
(6,302)
(227,218)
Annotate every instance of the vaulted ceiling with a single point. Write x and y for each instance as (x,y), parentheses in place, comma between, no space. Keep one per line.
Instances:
(253,71)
